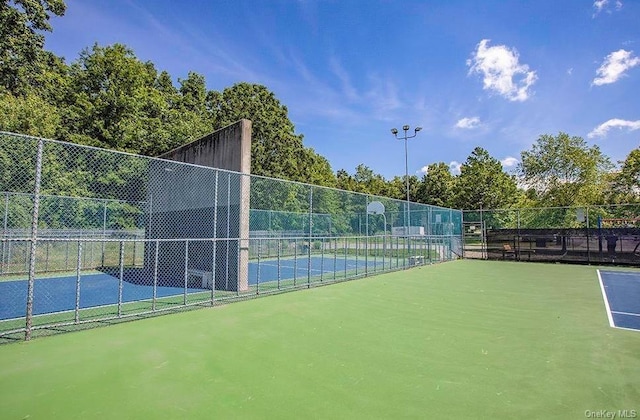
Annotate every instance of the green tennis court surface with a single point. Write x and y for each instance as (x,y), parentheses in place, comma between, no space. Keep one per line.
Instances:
(466,339)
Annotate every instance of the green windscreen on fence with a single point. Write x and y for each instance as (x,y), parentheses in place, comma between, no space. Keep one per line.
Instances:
(605,234)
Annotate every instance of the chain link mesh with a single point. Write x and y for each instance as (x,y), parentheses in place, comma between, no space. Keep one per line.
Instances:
(120,235)
(587,234)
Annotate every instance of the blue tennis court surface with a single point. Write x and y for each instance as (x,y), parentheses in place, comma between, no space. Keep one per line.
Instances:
(58,294)
(621,292)
(301,268)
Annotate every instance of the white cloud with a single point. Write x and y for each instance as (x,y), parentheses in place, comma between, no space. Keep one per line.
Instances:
(509,162)
(468,123)
(603,129)
(383,96)
(347,87)
(502,71)
(454,167)
(424,170)
(600,5)
(570,71)
(614,66)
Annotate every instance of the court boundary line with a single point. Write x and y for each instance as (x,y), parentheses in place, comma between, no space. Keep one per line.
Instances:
(605,298)
(625,313)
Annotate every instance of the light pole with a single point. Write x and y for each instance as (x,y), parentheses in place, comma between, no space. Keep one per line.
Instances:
(394,131)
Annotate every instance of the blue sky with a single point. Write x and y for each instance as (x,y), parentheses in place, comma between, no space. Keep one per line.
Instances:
(495,74)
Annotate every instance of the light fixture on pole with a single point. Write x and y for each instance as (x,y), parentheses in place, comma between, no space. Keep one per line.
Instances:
(394,131)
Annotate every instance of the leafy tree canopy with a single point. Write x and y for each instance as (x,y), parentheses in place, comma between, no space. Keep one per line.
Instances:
(564,171)
(626,182)
(483,183)
(437,186)
(276,149)
(21,40)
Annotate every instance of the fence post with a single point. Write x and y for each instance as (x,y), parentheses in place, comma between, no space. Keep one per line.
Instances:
(310,236)
(346,245)
(366,215)
(482,235)
(121,278)
(215,236)
(366,238)
(322,259)
(6,212)
(335,258)
(135,246)
(375,254)
(228,237)
(34,238)
(155,276)
(78,270)
(588,247)
(430,232)
(357,252)
(186,270)
(518,247)
(104,229)
(258,268)
(295,261)
(279,270)
(4,231)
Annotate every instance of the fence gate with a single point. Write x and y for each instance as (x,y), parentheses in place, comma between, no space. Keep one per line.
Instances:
(474,240)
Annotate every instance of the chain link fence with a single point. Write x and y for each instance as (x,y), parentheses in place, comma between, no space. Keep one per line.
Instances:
(92,236)
(589,234)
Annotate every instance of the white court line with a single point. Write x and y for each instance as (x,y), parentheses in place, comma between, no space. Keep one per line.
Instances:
(622,273)
(625,313)
(606,301)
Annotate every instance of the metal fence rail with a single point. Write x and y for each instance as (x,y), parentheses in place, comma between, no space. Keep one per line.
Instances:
(90,235)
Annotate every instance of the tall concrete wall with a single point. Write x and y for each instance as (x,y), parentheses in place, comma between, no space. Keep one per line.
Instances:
(228,148)
(183,204)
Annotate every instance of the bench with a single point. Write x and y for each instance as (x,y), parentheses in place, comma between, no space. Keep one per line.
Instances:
(507,251)
(206,278)
(416,260)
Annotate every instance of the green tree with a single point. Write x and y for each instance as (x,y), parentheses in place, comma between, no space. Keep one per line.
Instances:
(107,88)
(28,114)
(275,148)
(21,40)
(483,182)
(368,181)
(192,115)
(564,171)
(626,182)
(316,169)
(118,102)
(436,186)
(397,188)
(344,181)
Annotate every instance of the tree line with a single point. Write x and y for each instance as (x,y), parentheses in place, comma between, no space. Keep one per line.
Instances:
(109,98)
